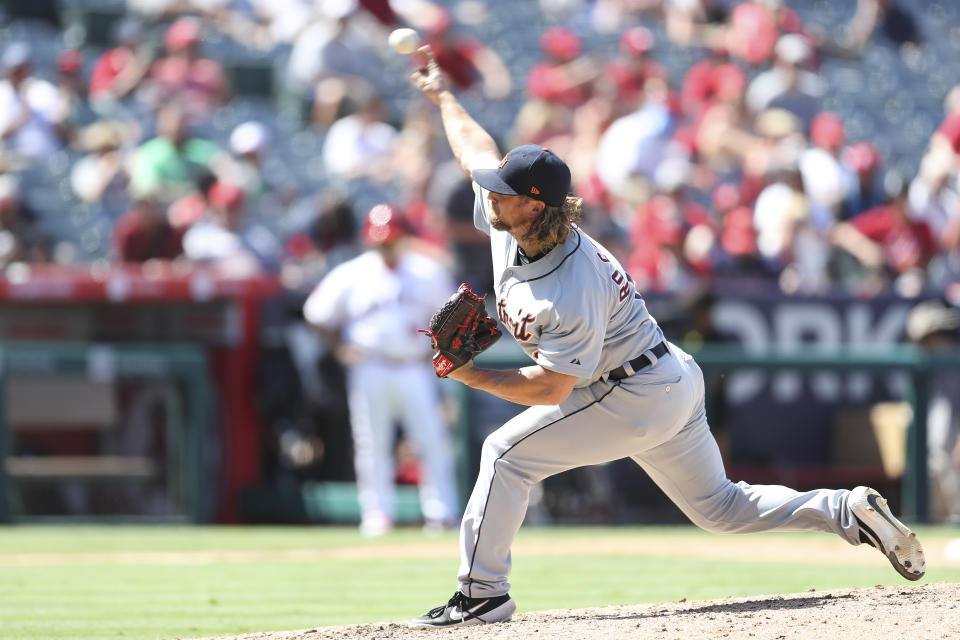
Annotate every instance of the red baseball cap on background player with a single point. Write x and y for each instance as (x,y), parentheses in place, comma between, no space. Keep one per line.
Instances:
(384,225)
(862,157)
(383,229)
(182,34)
(561,43)
(827,131)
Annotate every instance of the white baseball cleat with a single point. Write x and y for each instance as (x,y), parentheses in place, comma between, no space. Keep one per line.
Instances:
(463,611)
(881,529)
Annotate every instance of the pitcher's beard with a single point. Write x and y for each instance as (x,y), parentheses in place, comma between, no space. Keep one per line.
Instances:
(494,219)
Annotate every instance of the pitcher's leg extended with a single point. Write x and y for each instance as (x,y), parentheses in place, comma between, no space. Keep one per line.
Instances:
(689,469)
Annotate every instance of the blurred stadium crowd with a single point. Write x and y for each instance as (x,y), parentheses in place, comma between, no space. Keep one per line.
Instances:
(811,145)
(799,147)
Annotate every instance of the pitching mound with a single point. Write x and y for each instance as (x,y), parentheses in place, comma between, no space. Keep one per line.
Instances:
(915,611)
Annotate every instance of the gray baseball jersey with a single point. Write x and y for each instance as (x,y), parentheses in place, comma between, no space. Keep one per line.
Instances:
(576,312)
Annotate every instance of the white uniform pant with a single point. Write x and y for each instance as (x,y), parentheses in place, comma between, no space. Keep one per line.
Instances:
(657,418)
(379,395)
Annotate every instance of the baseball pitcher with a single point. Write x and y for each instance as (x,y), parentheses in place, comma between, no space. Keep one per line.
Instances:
(604,384)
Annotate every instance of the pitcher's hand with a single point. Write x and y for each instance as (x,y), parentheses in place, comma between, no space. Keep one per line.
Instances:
(428,78)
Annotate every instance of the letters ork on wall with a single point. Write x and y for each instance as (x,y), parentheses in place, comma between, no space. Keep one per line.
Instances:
(789,416)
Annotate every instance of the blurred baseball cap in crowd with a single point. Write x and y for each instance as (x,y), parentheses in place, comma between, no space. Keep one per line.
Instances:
(930,317)
(141,192)
(725,196)
(672,173)
(738,237)
(384,224)
(560,43)
(793,49)
(776,123)
(15,55)
(182,33)
(827,130)
(70,61)
(101,135)
(862,156)
(225,196)
(753,32)
(248,137)
(636,41)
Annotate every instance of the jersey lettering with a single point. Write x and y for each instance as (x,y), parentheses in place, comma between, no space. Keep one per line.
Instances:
(623,281)
(519,326)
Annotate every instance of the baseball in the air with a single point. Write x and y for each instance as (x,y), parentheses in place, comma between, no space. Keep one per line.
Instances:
(404,40)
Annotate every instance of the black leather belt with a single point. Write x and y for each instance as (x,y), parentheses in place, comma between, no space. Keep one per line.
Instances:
(638,363)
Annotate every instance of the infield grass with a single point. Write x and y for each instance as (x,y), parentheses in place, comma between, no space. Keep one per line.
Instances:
(183,582)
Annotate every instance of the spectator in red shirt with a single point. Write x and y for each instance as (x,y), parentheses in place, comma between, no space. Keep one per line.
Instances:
(722,134)
(634,67)
(557,87)
(865,190)
(753,32)
(199,83)
(700,83)
(142,233)
(119,71)
(565,76)
(466,61)
(885,241)
(738,256)
(662,259)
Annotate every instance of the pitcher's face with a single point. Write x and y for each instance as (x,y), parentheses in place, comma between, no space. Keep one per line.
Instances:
(512,213)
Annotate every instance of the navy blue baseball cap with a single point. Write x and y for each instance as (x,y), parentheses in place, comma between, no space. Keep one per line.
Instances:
(528,170)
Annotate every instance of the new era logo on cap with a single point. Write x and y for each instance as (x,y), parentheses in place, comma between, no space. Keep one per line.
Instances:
(528,170)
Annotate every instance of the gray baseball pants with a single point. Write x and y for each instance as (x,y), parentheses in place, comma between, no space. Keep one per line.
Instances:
(657,418)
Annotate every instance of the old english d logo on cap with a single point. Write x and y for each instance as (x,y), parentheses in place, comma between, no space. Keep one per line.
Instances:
(528,170)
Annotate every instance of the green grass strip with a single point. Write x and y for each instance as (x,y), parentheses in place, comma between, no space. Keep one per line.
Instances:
(60,597)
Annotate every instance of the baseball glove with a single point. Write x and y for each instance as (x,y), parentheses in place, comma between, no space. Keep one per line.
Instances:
(460,330)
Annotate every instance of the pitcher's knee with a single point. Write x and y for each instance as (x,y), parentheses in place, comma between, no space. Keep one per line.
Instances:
(722,527)
(493,447)
(722,512)
(499,455)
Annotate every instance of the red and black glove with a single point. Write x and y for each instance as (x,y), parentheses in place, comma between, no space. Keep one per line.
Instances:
(460,330)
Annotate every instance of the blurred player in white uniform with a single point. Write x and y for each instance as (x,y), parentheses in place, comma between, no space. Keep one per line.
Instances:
(604,384)
(369,309)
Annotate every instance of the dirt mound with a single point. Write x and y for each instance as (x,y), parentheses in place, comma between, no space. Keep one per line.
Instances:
(915,611)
